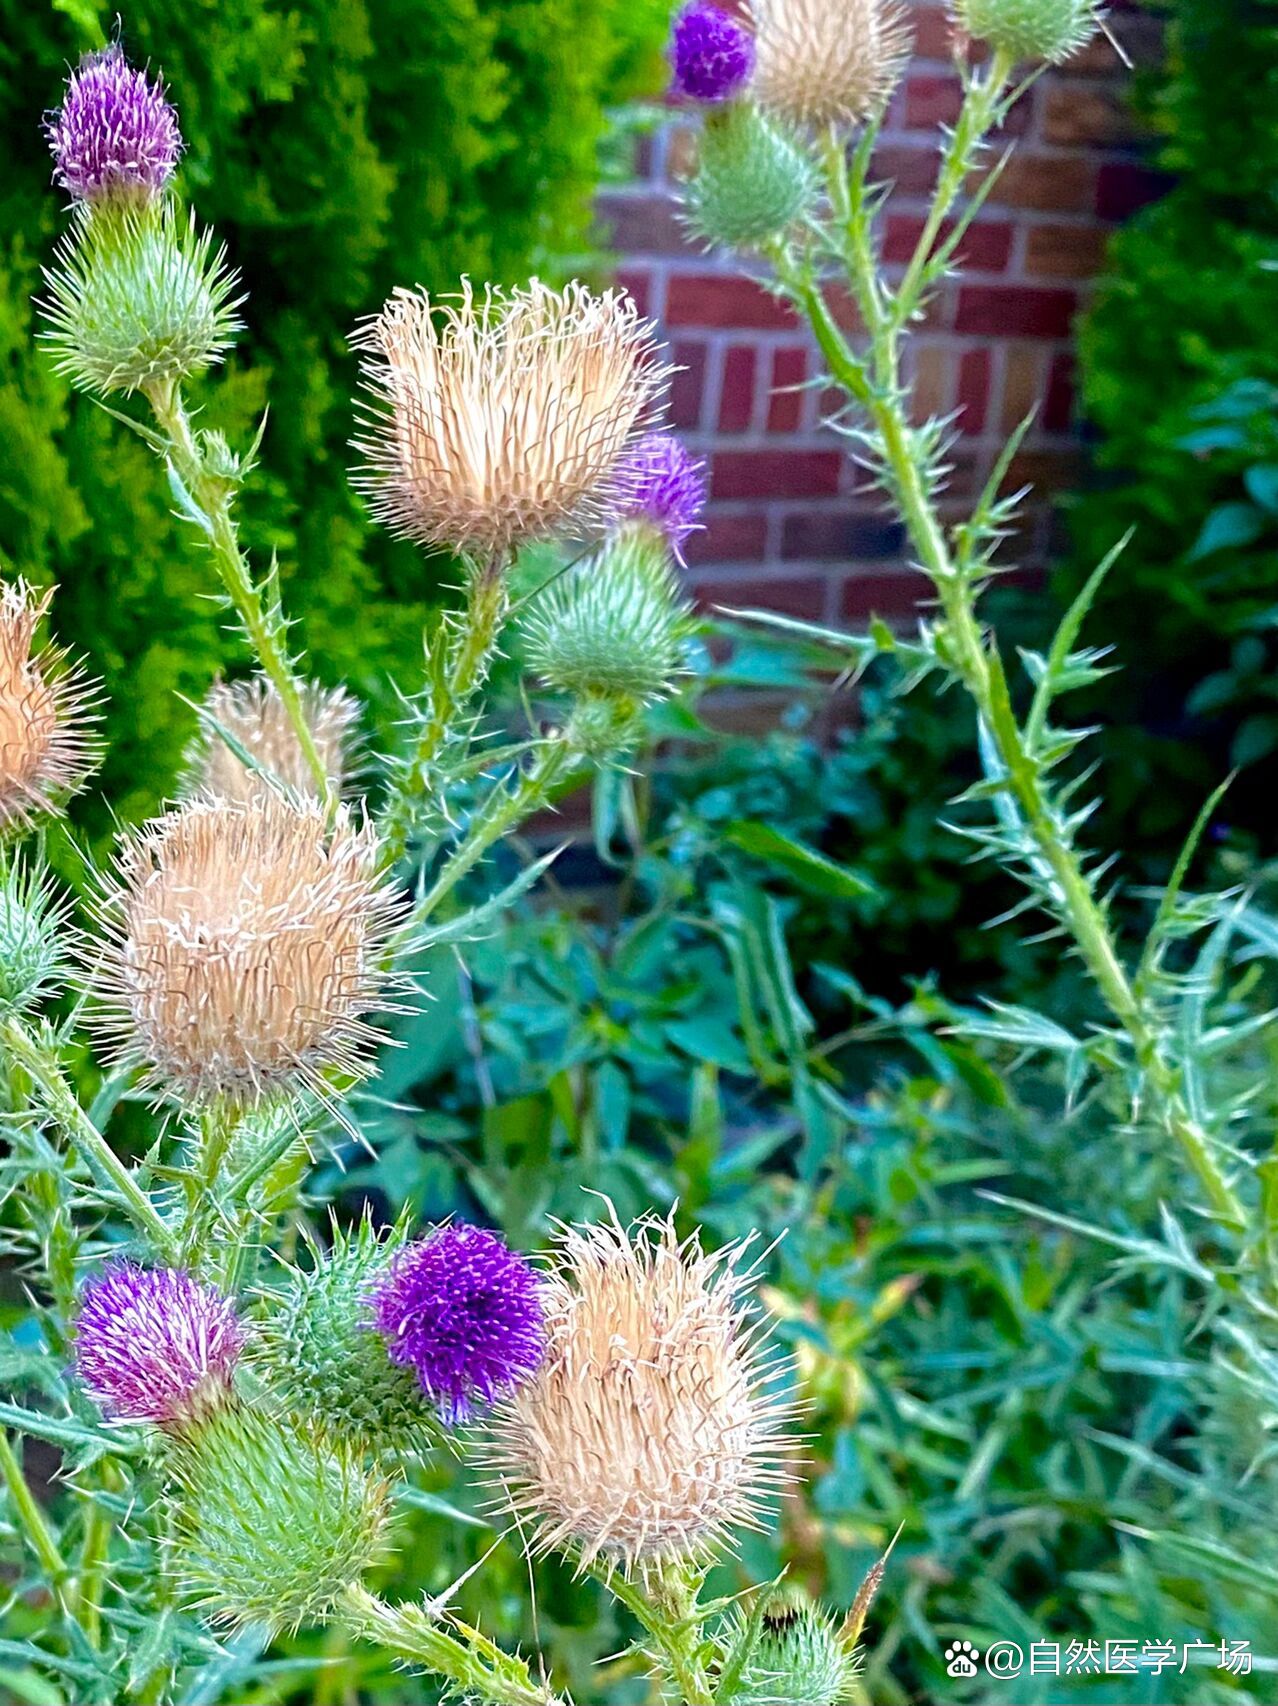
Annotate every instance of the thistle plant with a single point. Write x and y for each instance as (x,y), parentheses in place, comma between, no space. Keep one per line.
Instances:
(242,1393)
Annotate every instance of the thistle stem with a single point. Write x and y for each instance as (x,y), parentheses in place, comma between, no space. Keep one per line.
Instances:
(32,1519)
(263,623)
(970,654)
(667,1609)
(465,669)
(97,1154)
(474,1664)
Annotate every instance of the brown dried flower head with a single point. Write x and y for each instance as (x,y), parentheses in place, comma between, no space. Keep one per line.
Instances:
(503,418)
(828,61)
(48,743)
(254,715)
(653,1427)
(245,942)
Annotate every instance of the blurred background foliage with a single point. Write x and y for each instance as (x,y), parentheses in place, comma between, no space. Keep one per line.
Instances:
(341,148)
(739,994)
(1179,363)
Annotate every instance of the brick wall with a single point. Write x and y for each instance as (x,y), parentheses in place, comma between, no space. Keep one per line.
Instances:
(790,524)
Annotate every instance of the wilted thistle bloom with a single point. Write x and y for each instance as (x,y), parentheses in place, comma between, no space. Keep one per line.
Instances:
(828,61)
(1053,30)
(138,301)
(754,179)
(253,714)
(270,1523)
(115,136)
(664,485)
(321,1354)
(47,740)
(653,1427)
(501,419)
(711,53)
(245,943)
(31,920)
(156,1345)
(463,1311)
(612,627)
(794,1655)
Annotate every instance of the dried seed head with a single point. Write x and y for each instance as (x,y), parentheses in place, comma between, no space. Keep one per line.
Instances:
(502,419)
(244,947)
(47,740)
(115,136)
(253,714)
(828,61)
(156,1345)
(270,1522)
(653,1427)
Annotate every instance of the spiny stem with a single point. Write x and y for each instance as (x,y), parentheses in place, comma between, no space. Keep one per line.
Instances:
(667,1608)
(97,1154)
(213,497)
(32,1520)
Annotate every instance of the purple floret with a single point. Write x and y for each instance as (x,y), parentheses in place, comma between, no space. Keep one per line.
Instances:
(712,54)
(114,134)
(463,1311)
(154,1344)
(662,482)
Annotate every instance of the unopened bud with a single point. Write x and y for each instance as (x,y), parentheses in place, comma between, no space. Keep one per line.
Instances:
(1053,30)
(754,179)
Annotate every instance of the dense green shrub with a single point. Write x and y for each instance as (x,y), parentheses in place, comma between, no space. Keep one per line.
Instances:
(341,148)
(1176,357)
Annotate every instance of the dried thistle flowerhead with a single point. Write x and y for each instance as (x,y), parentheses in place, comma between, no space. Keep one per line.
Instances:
(652,1427)
(47,741)
(828,61)
(245,943)
(254,715)
(502,418)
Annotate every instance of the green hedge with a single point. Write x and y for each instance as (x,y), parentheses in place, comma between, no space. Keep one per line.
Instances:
(1179,357)
(340,147)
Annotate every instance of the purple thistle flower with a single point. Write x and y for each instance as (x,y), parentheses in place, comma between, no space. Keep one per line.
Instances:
(712,54)
(114,134)
(154,1344)
(663,483)
(462,1310)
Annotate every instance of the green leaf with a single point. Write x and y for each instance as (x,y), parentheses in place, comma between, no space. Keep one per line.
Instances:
(810,869)
(1228,528)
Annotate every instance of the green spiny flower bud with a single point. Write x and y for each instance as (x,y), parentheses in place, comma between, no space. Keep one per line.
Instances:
(1053,30)
(30,950)
(792,1654)
(138,298)
(270,1523)
(613,627)
(320,1354)
(754,179)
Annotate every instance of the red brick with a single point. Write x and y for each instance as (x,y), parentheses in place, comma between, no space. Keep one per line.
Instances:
(1096,113)
(974,390)
(775,473)
(895,597)
(739,538)
(639,283)
(1055,250)
(688,385)
(736,393)
(933,32)
(800,595)
(1048,183)
(1015,311)
(1123,187)
(1058,405)
(934,100)
(911,169)
(724,300)
(785,404)
(986,245)
(841,536)
(641,224)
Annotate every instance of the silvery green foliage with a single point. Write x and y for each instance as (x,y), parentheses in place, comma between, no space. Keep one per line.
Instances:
(613,626)
(270,1521)
(318,1350)
(32,921)
(139,296)
(754,179)
(1053,30)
